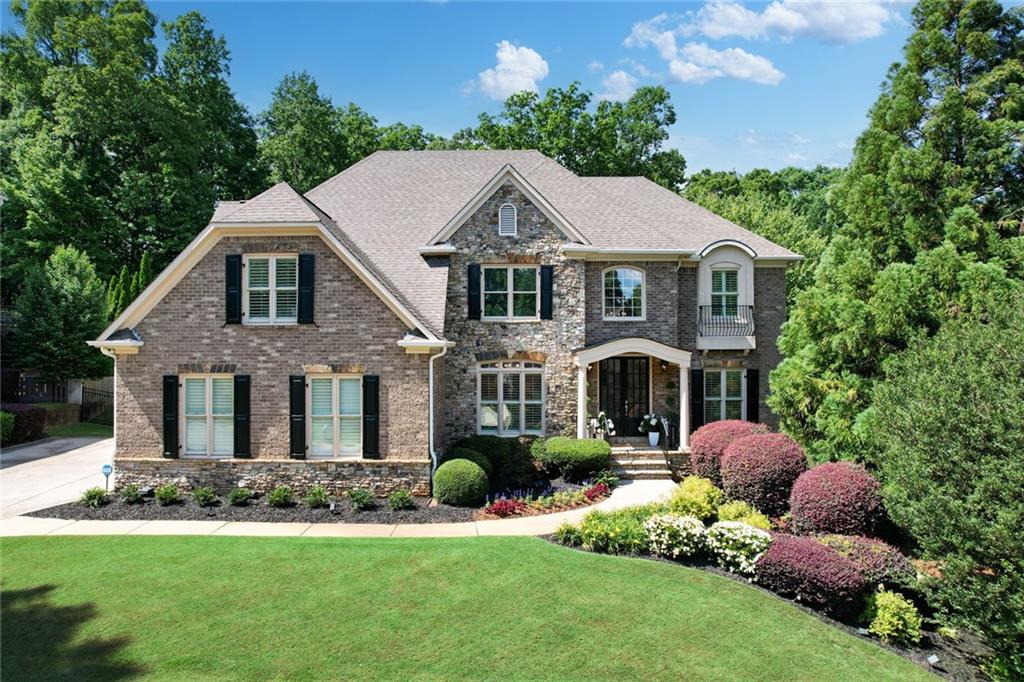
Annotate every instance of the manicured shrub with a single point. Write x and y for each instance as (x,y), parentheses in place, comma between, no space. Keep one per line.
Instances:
(511,506)
(29,422)
(204,496)
(708,443)
(737,546)
(317,497)
(569,535)
(836,497)
(617,532)
(473,456)
(497,450)
(95,497)
(130,494)
(167,494)
(816,575)
(893,618)
(673,536)
(877,561)
(537,448)
(401,499)
(576,458)
(695,496)
(737,510)
(239,497)
(361,499)
(460,483)
(281,496)
(761,470)
(6,427)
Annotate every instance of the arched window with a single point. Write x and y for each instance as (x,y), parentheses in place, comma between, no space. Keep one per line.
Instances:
(507,220)
(510,398)
(624,294)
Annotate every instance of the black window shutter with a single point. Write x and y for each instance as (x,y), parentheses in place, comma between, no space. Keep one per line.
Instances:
(242,386)
(371,416)
(233,290)
(171,416)
(474,291)
(753,396)
(306,278)
(297,416)
(696,399)
(546,276)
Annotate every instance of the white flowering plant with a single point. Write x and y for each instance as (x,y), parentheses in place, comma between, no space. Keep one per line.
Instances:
(602,425)
(673,536)
(737,546)
(650,423)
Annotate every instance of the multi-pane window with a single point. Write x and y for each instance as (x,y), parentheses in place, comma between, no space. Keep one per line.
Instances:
(510,292)
(511,398)
(623,294)
(208,412)
(335,416)
(724,292)
(271,289)
(723,395)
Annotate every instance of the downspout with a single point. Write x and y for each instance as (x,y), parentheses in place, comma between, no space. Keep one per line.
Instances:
(430,413)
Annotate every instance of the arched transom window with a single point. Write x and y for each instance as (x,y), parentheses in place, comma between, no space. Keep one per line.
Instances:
(624,293)
(510,398)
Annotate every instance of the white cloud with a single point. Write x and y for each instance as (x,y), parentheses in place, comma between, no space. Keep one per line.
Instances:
(750,137)
(794,157)
(518,68)
(799,139)
(595,66)
(618,86)
(835,22)
(652,32)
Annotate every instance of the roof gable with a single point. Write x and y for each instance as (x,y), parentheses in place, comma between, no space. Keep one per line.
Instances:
(279,204)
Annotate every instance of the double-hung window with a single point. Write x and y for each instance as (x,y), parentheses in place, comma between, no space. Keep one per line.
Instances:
(511,398)
(510,292)
(724,395)
(725,293)
(208,413)
(623,294)
(335,408)
(271,289)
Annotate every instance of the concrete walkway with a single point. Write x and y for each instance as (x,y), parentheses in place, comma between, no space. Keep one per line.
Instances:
(629,493)
(51,471)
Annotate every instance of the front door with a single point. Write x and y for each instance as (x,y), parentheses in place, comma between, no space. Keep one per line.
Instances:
(623,394)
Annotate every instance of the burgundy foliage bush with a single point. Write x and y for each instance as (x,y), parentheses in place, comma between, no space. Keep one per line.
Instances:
(813,574)
(709,442)
(29,421)
(837,497)
(596,491)
(877,561)
(506,507)
(761,470)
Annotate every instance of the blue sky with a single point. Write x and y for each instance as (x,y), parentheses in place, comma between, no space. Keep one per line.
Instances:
(754,85)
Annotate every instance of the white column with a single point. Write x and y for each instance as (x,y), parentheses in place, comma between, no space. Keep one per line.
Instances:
(684,407)
(581,402)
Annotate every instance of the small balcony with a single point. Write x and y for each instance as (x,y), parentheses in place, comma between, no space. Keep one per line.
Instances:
(731,328)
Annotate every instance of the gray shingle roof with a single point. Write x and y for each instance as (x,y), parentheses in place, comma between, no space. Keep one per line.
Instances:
(279,204)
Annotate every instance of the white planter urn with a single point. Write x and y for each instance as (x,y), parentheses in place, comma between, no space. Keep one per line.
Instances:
(653,437)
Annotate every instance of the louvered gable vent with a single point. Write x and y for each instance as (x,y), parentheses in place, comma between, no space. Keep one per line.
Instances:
(507,220)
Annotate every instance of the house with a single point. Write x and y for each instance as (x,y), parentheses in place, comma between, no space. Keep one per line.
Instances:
(348,336)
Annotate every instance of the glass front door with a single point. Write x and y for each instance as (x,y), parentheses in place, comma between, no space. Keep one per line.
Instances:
(624,393)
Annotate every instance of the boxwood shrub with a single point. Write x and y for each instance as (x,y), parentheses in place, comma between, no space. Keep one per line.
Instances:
(29,422)
(460,483)
(816,575)
(575,458)
(761,470)
(6,427)
(837,497)
(497,450)
(473,456)
(708,443)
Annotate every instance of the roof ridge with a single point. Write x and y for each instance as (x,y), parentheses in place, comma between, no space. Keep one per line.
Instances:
(629,204)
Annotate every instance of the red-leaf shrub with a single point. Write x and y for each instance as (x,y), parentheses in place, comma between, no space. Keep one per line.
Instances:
(837,497)
(761,470)
(596,491)
(709,442)
(506,507)
(29,421)
(813,574)
(877,561)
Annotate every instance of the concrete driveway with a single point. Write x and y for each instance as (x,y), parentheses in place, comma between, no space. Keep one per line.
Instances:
(53,471)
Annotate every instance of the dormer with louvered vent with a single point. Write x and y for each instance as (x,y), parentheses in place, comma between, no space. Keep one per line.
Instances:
(507,220)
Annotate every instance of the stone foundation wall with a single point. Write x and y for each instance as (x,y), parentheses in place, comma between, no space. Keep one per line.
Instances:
(382,476)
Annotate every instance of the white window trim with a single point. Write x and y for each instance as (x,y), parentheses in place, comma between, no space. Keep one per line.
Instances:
(522,370)
(511,290)
(725,267)
(722,392)
(272,282)
(183,421)
(515,221)
(727,257)
(643,295)
(335,416)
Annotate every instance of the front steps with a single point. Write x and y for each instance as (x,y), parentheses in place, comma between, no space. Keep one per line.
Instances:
(639,462)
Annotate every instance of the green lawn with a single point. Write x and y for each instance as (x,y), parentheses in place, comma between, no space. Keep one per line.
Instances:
(476,608)
(81,429)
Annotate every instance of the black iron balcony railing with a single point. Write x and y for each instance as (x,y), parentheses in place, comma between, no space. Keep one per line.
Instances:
(728,321)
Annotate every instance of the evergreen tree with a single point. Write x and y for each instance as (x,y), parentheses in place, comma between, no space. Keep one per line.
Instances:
(145,271)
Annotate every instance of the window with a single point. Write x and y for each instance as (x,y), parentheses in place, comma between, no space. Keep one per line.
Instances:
(335,408)
(511,398)
(507,220)
(271,289)
(725,292)
(723,395)
(208,413)
(510,292)
(623,294)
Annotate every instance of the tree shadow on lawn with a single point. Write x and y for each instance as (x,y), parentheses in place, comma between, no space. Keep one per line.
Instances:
(36,642)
